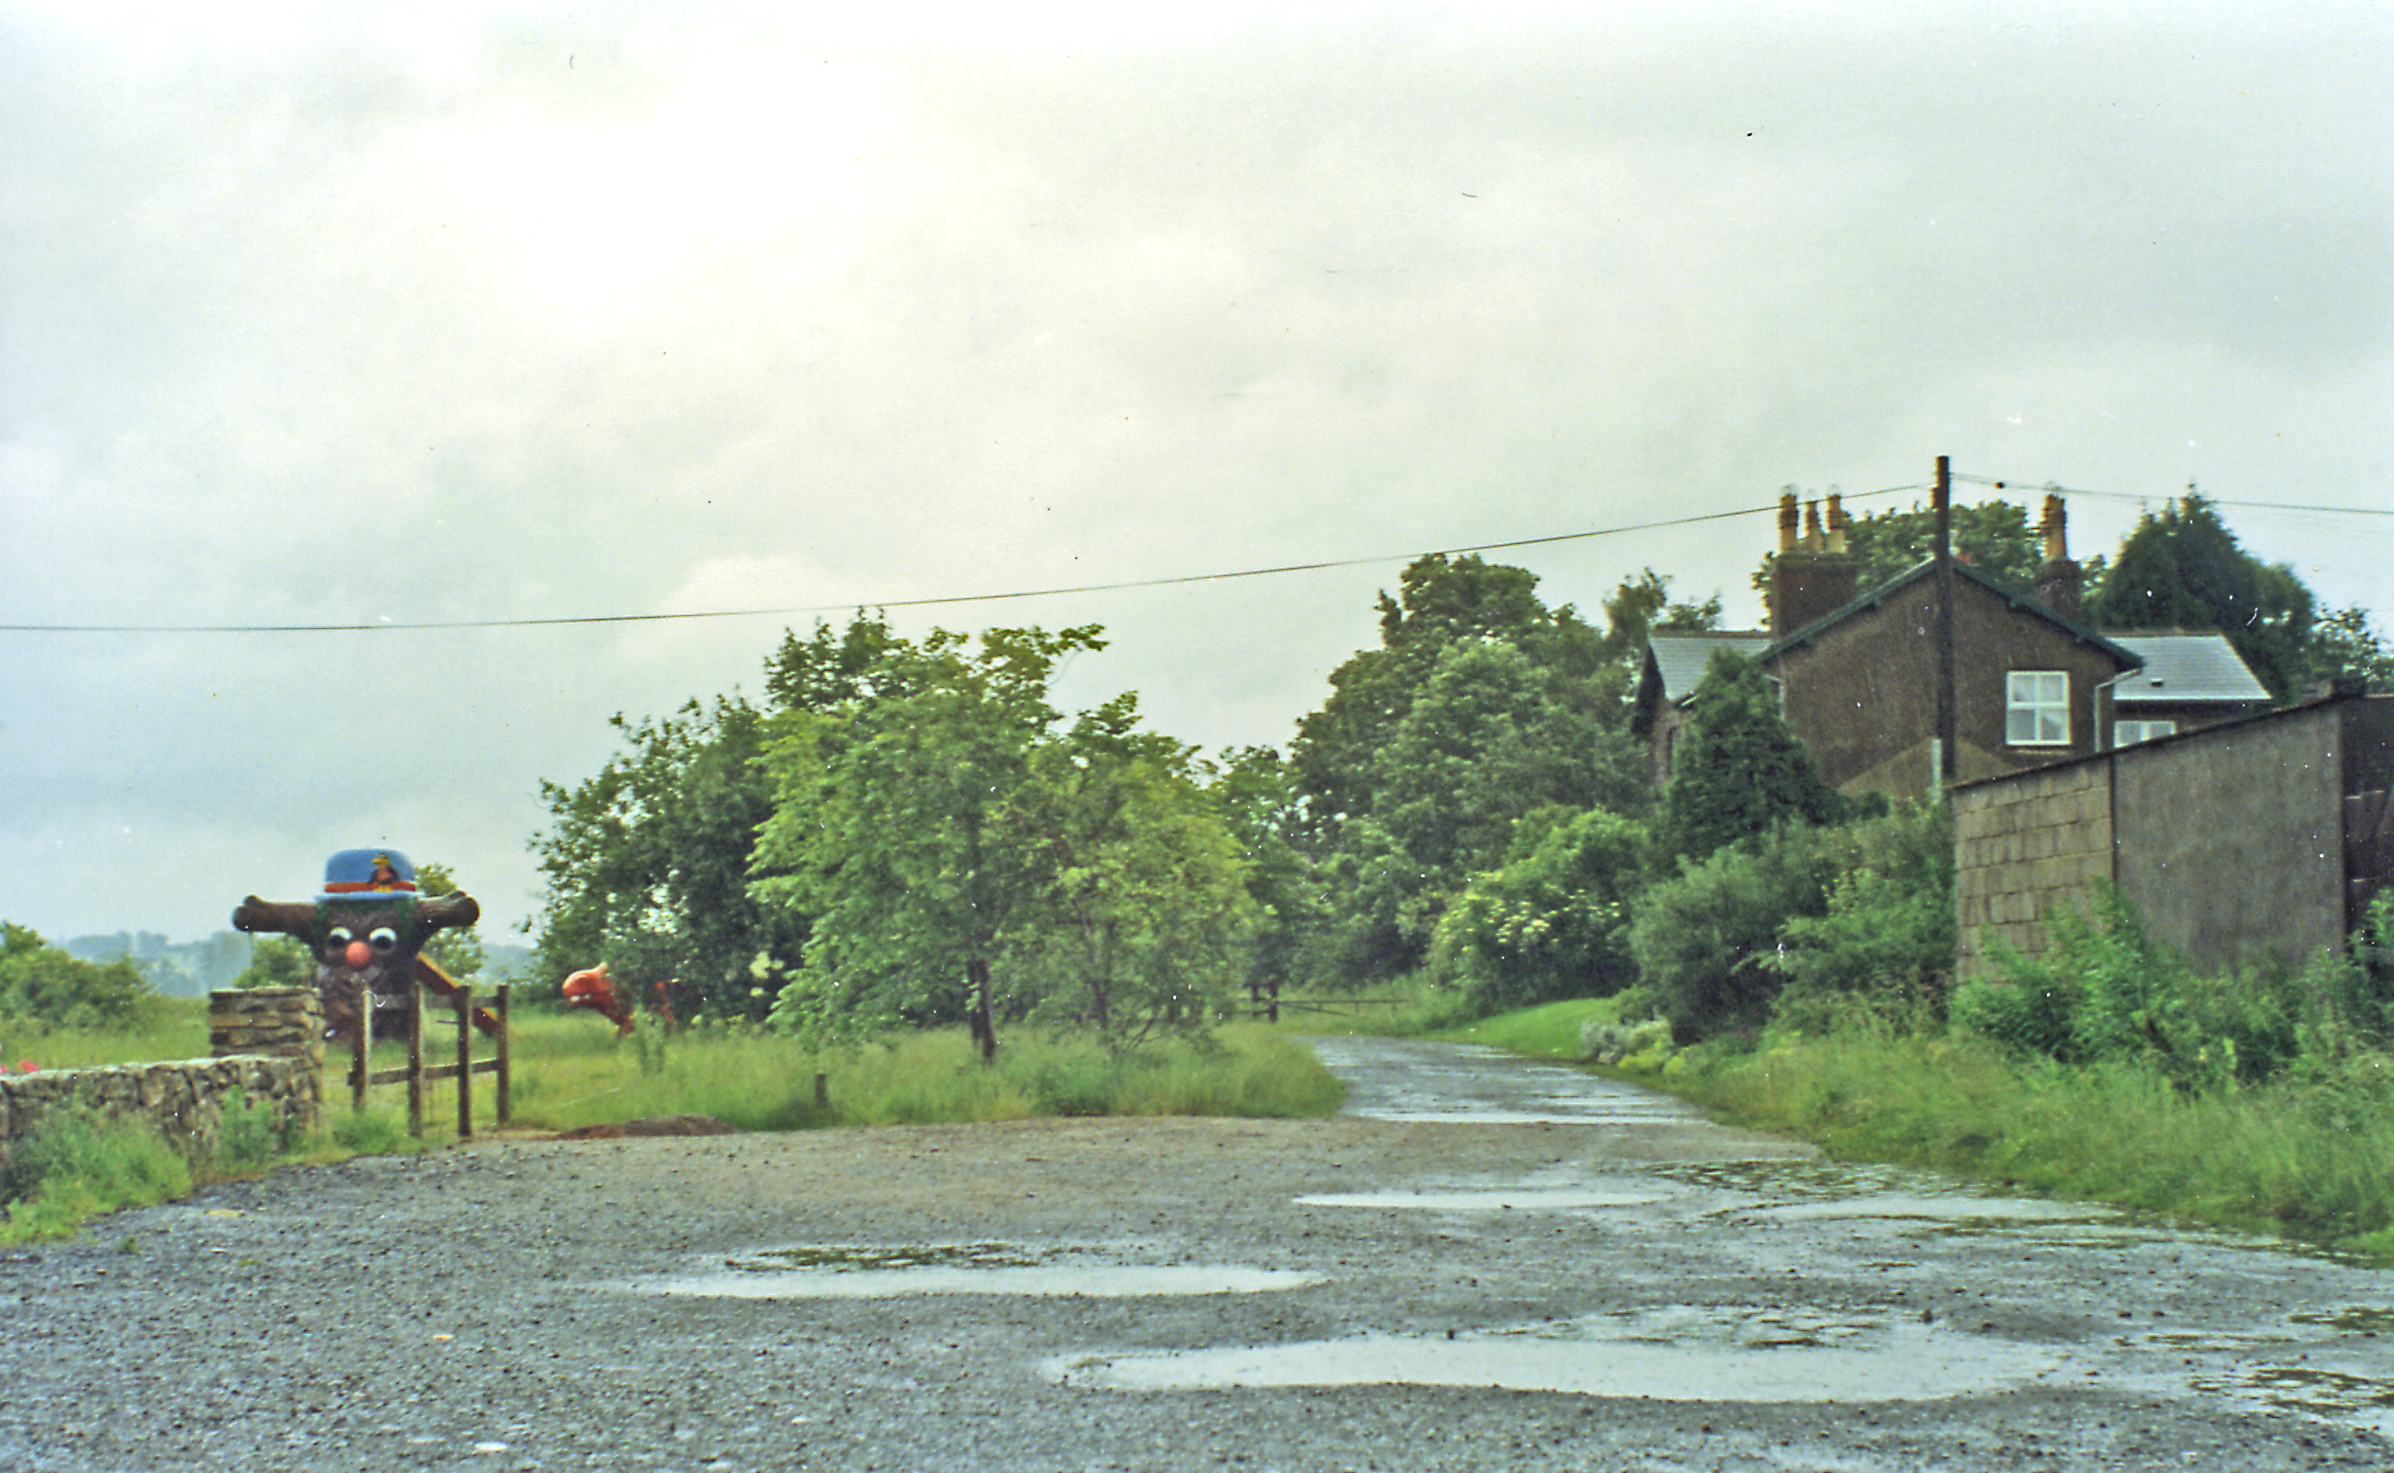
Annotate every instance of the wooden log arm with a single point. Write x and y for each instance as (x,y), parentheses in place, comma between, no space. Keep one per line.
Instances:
(279,917)
(439,912)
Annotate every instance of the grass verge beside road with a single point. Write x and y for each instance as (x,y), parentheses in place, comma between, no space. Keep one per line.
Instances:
(2311,1159)
(571,1072)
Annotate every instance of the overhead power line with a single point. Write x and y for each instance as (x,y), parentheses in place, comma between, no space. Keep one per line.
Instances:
(1184,580)
(900,603)
(2059,490)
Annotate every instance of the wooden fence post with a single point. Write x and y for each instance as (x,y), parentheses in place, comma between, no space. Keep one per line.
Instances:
(361,1042)
(415,1060)
(506,1060)
(465,1063)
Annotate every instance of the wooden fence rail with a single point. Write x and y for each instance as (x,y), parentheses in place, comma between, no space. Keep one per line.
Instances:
(416,1072)
(1265,1002)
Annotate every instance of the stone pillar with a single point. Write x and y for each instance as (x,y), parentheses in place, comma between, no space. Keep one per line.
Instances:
(278,1022)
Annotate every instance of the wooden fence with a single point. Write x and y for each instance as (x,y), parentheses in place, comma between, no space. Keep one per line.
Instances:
(417,1073)
(1265,1002)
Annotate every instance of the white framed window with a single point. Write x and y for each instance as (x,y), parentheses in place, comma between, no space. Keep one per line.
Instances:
(2129,733)
(2037,708)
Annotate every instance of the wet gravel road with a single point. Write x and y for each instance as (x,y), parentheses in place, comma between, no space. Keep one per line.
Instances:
(1485,1264)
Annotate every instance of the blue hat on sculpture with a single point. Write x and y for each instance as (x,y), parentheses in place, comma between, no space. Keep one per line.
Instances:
(356,876)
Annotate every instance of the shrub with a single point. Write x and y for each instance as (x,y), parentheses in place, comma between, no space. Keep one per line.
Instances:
(2099,989)
(1610,1041)
(278,961)
(2104,990)
(37,980)
(1553,922)
(1884,949)
(1702,940)
(1739,770)
(74,1165)
(246,1137)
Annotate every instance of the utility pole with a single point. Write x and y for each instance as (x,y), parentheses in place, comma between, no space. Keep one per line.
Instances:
(1945,696)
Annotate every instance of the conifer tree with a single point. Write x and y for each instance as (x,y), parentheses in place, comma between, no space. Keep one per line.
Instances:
(1739,771)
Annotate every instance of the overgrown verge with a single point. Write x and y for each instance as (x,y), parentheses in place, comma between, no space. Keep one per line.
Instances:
(2312,1159)
(76,1165)
(2104,1068)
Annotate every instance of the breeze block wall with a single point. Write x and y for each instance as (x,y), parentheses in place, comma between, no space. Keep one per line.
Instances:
(2024,846)
(269,1050)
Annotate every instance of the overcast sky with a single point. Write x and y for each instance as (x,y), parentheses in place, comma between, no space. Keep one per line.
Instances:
(326,315)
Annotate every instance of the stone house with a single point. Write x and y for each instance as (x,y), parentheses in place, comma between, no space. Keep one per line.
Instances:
(1857,670)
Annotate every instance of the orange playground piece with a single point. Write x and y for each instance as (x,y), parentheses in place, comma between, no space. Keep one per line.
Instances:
(592,988)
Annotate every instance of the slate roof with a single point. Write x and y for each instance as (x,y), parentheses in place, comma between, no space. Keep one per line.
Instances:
(2185,667)
(1681,658)
(1927,568)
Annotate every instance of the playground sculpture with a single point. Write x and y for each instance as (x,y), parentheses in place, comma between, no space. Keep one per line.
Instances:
(592,988)
(366,931)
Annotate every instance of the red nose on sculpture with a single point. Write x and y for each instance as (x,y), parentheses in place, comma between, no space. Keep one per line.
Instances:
(358,954)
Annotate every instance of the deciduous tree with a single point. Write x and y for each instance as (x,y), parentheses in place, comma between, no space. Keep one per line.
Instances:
(39,981)
(898,832)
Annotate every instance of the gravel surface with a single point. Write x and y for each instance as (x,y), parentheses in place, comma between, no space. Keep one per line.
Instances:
(1086,1294)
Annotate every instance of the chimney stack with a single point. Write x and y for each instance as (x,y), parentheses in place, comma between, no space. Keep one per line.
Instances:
(1812,576)
(2060,582)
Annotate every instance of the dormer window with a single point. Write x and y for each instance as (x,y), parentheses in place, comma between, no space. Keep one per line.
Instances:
(2037,708)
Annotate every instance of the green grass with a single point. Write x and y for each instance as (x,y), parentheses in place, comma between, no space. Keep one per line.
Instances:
(73,1167)
(167,1028)
(570,1071)
(2311,1161)
(570,1075)
(1549,1031)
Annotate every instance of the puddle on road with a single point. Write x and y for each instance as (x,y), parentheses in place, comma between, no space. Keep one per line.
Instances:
(1801,1181)
(1943,1207)
(2322,1392)
(1830,1191)
(1679,1355)
(849,1272)
(1467,1084)
(1486,1199)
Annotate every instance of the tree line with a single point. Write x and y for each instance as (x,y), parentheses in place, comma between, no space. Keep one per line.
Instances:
(908,832)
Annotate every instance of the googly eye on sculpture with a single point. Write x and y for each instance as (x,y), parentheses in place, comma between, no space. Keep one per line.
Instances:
(366,930)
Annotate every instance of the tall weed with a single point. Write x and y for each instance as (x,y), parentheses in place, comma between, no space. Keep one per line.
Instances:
(2103,991)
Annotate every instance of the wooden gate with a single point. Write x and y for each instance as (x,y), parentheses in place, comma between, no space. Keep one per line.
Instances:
(417,1072)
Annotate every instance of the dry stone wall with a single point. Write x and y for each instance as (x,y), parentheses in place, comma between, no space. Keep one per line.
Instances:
(269,1052)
